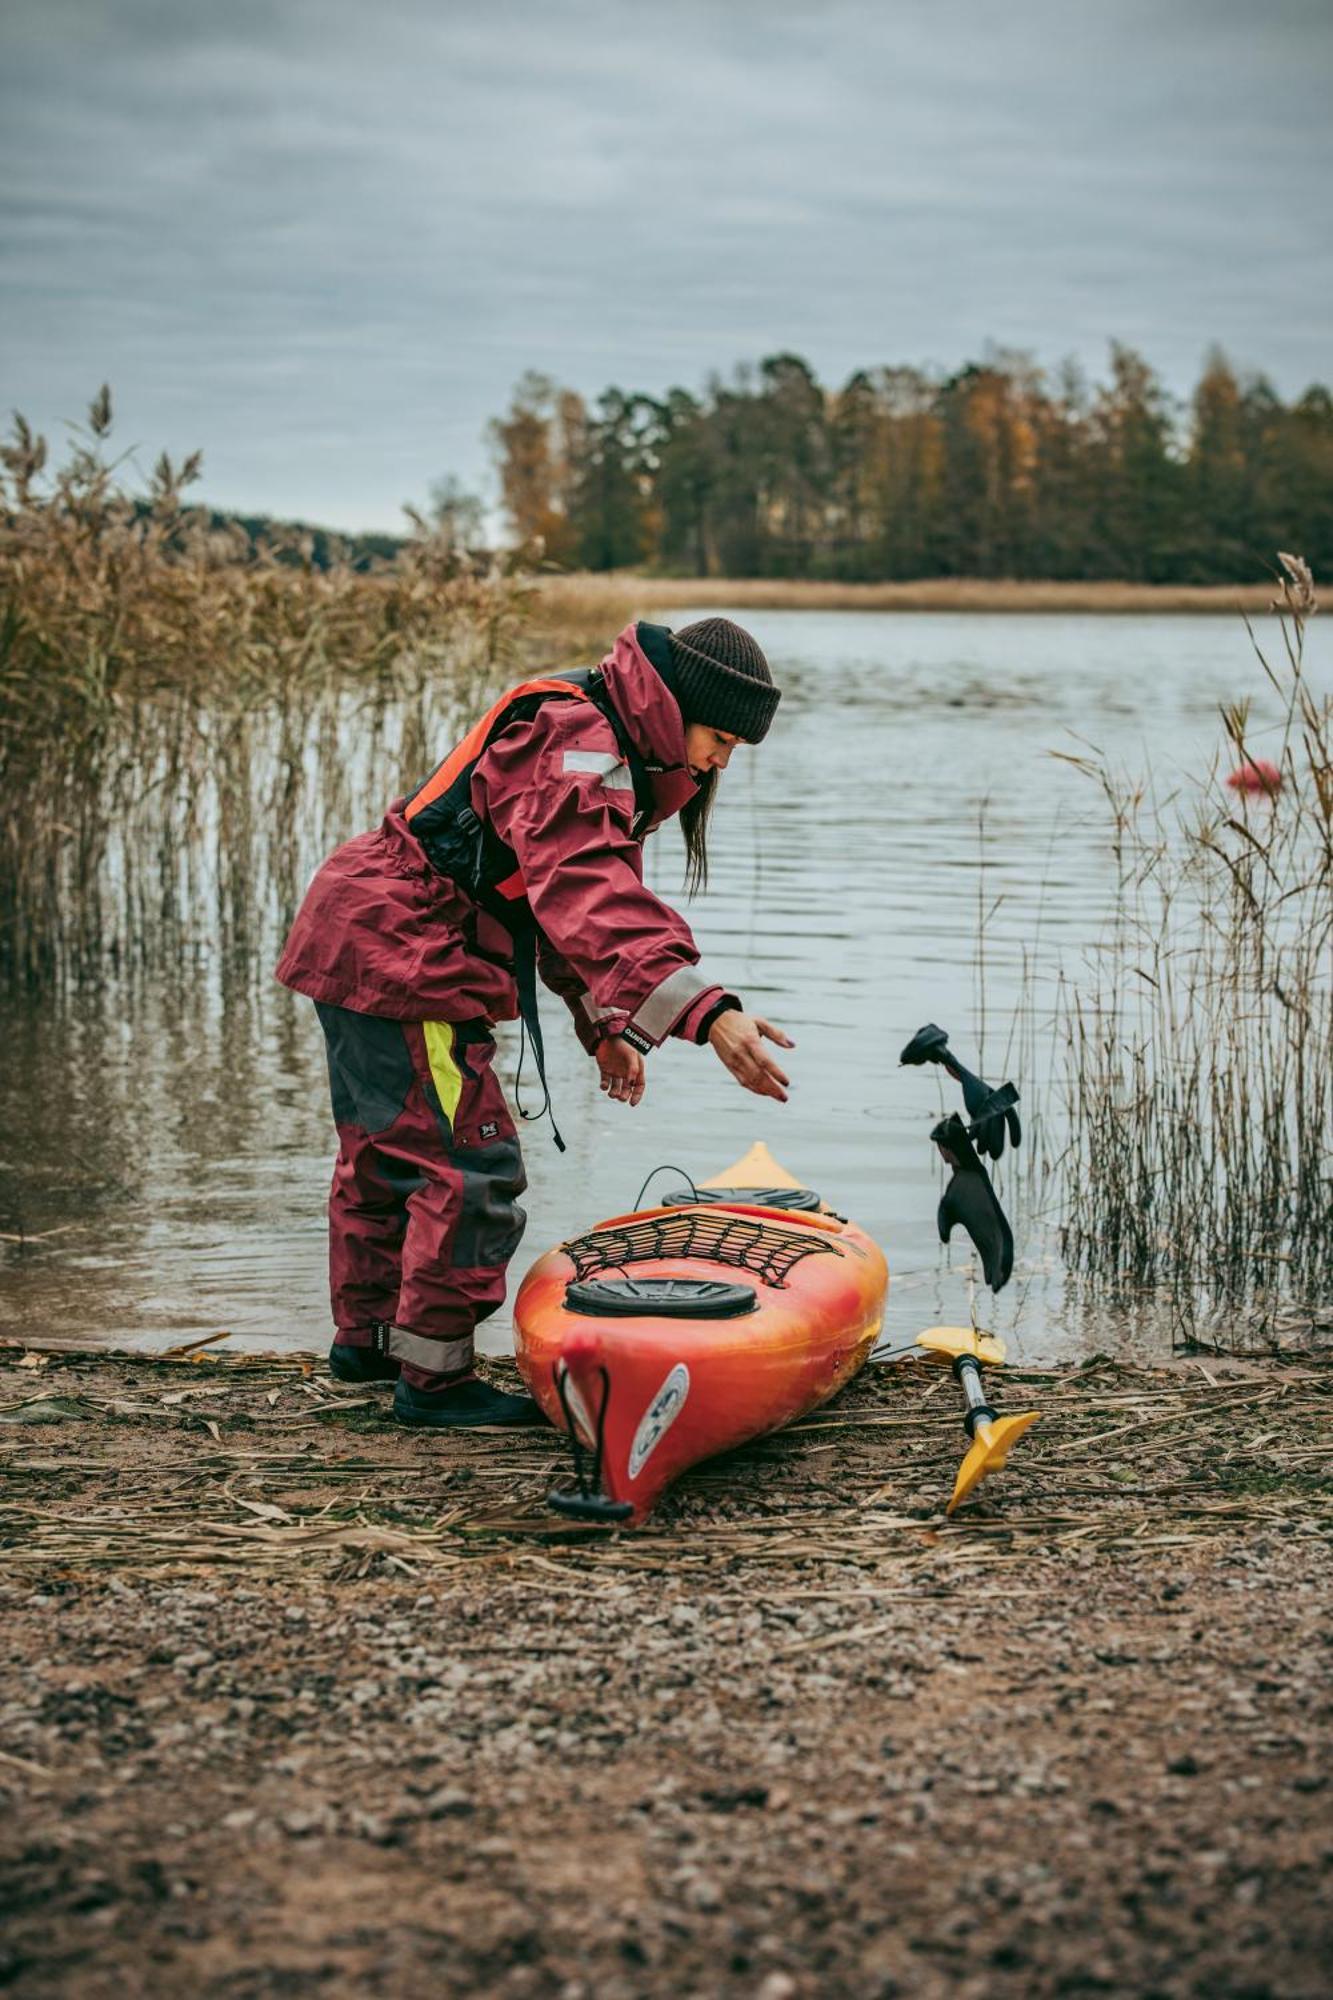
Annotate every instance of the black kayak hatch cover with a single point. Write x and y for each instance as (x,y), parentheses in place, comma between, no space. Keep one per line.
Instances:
(797,1199)
(660,1298)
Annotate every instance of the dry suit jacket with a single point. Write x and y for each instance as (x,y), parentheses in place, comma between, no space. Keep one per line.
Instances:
(383,932)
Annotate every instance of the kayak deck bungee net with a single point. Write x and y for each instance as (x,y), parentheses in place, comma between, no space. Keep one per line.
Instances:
(662,1337)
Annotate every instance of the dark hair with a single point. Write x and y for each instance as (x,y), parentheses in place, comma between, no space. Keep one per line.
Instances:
(694,825)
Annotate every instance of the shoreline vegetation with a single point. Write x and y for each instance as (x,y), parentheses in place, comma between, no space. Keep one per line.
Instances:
(1000,468)
(1198,1039)
(297,1700)
(581,598)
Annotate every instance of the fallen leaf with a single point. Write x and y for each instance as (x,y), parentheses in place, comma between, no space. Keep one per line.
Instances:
(262,1508)
(43,1410)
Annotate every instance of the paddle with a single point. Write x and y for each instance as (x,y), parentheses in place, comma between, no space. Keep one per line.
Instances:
(992,1437)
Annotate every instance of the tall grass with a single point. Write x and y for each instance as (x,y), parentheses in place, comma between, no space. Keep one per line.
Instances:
(185,713)
(1199,1053)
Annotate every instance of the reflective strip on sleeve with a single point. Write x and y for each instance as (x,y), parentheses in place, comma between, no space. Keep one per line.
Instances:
(445,1073)
(594,1012)
(438,1357)
(667,1002)
(612,770)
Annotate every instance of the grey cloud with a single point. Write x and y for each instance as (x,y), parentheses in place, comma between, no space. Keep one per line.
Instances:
(322,240)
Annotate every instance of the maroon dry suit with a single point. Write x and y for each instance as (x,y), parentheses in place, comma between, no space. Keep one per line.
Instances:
(410,970)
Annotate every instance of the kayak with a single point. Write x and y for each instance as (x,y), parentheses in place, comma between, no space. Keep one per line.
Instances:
(662,1337)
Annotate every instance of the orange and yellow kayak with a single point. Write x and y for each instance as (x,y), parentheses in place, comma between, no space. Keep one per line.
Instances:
(664,1336)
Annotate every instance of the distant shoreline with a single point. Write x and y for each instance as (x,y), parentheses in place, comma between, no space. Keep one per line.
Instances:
(582,595)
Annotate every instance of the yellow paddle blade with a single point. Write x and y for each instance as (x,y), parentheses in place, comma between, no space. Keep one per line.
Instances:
(951,1341)
(989,1449)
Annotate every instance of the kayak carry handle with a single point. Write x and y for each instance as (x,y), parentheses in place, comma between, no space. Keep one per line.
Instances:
(586,1502)
(589,1506)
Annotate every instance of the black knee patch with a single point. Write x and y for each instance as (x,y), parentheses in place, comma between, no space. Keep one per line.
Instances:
(492,1223)
(370,1067)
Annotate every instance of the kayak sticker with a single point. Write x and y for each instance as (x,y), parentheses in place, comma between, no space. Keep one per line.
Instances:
(658,1418)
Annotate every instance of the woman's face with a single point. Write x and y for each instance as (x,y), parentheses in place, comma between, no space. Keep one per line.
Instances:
(708,749)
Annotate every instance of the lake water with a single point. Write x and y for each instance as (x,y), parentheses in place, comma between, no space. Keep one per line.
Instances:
(903,848)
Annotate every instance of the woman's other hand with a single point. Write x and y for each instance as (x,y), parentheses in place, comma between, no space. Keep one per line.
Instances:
(622,1069)
(737,1039)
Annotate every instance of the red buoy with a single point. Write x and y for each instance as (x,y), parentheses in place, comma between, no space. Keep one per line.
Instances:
(1256,774)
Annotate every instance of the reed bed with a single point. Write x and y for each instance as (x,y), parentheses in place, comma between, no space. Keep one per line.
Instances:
(1198,1050)
(179,703)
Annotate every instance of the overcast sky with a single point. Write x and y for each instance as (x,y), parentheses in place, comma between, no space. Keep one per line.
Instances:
(322,238)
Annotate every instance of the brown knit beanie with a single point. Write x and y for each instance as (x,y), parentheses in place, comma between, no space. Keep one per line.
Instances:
(722,679)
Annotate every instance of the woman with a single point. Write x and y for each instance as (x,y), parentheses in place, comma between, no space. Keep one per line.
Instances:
(522,852)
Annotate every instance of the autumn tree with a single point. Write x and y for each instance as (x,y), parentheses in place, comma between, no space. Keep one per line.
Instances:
(536,444)
(1138,493)
(996,469)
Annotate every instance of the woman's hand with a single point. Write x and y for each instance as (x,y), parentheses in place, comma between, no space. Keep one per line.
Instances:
(622,1069)
(736,1038)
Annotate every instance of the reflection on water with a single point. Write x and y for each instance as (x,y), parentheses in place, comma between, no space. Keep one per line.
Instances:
(902,849)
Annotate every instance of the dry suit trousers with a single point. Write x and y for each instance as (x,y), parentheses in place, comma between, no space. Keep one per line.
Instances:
(423,1212)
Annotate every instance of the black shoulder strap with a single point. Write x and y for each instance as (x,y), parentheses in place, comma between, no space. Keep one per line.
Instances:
(589,681)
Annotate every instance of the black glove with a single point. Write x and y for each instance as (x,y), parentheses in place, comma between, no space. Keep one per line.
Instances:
(990,1112)
(970,1199)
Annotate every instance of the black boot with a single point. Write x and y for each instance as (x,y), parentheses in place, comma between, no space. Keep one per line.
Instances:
(472,1402)
(361,1364)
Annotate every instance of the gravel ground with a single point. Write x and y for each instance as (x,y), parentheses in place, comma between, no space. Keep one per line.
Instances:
(297,1703)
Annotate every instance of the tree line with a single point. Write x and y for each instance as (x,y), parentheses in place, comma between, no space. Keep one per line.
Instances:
(997,470)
